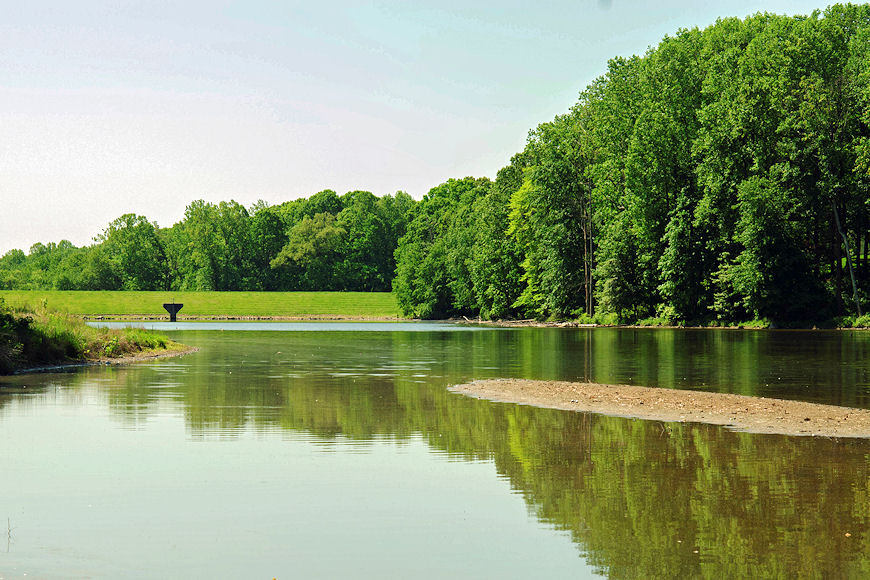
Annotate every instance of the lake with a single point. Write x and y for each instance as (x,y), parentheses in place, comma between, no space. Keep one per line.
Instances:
(329,450)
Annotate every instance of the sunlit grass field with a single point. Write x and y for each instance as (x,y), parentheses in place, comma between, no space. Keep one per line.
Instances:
(374,305)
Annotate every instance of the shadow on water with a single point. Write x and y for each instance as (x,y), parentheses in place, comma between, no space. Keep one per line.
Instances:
(637,497)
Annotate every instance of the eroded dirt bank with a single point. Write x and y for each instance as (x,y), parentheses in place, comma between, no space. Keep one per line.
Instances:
(181,350)
(754,414)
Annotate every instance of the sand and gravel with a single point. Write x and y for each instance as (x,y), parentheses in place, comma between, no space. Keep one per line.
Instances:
(738,412)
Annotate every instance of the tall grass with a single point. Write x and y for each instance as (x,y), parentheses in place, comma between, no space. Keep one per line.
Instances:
(42,337)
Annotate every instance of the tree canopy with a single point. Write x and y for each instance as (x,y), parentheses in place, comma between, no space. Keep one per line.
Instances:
(325,242)
(723,176)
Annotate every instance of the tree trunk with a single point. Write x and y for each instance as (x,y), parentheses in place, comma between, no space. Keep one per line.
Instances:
(586,273)
(848,260)
(590,286)
(837,269)
(866,252)
(859,240)
(865,235)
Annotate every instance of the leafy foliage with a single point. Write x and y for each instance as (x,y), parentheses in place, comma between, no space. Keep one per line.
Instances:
(723,176)
(432,258)
(226,247)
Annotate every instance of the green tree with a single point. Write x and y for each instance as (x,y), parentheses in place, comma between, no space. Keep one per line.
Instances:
(367,258)
(212,248)
(426,265)
(267,238)
(326,201)
(312,251)
(682,269)
(135,253)
(551,218)
(495,261)
(772,274)
(96,271)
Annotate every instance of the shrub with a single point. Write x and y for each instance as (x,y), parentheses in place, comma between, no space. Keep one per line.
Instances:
(44,337)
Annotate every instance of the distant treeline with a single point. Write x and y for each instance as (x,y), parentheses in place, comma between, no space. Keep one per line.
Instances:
(722,177)
(325,242)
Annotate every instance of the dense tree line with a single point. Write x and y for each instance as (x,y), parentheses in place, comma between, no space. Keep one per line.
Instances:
(324,242)
(723,176)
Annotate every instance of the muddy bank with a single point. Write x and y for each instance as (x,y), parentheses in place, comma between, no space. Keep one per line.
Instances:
(753,414)
(125,360)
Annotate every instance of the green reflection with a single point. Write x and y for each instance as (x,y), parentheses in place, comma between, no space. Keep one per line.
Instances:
(639,498)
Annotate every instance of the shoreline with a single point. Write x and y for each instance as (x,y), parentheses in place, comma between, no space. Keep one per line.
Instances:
(124,360)
(502,323)
(736,412)
(198,318)
(532,323)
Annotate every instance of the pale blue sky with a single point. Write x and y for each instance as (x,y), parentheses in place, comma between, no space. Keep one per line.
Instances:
(144,106)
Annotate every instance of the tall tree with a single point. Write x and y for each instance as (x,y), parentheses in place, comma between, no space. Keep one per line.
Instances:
(312,251)
(426,268)
(135,253)
(368,253)
(267,237)
(495,262)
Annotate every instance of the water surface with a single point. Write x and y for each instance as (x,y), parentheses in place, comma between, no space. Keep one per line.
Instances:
(285,453)
(341,326)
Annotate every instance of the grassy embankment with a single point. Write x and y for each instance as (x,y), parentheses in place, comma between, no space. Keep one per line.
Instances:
(30,339)
(279,305)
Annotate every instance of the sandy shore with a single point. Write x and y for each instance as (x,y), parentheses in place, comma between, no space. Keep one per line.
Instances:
(753,414)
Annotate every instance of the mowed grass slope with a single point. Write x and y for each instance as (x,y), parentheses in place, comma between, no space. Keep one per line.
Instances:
(374,305)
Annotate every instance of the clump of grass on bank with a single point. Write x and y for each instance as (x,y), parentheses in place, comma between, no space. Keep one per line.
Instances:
(42,337)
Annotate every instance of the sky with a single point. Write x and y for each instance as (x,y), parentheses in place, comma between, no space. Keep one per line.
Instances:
(138,106)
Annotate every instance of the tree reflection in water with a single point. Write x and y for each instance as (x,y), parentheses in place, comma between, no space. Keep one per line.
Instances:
(638,497)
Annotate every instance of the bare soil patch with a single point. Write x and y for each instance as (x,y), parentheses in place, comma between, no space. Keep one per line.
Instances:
(738,412)
(105,361)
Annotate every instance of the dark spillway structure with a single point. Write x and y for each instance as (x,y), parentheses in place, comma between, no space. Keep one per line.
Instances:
(172,309)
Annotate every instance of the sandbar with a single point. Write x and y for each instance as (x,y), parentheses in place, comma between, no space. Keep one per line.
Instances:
(737,412)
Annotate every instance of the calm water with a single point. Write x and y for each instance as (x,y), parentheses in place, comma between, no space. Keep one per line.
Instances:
(298,453)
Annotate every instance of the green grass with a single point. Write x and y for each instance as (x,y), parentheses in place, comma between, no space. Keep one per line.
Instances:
(42,337)
(211,304)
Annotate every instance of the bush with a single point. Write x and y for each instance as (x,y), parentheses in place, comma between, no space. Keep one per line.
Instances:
(43,337)
(654,321)
(12,328)
(582,317)
(609,319)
